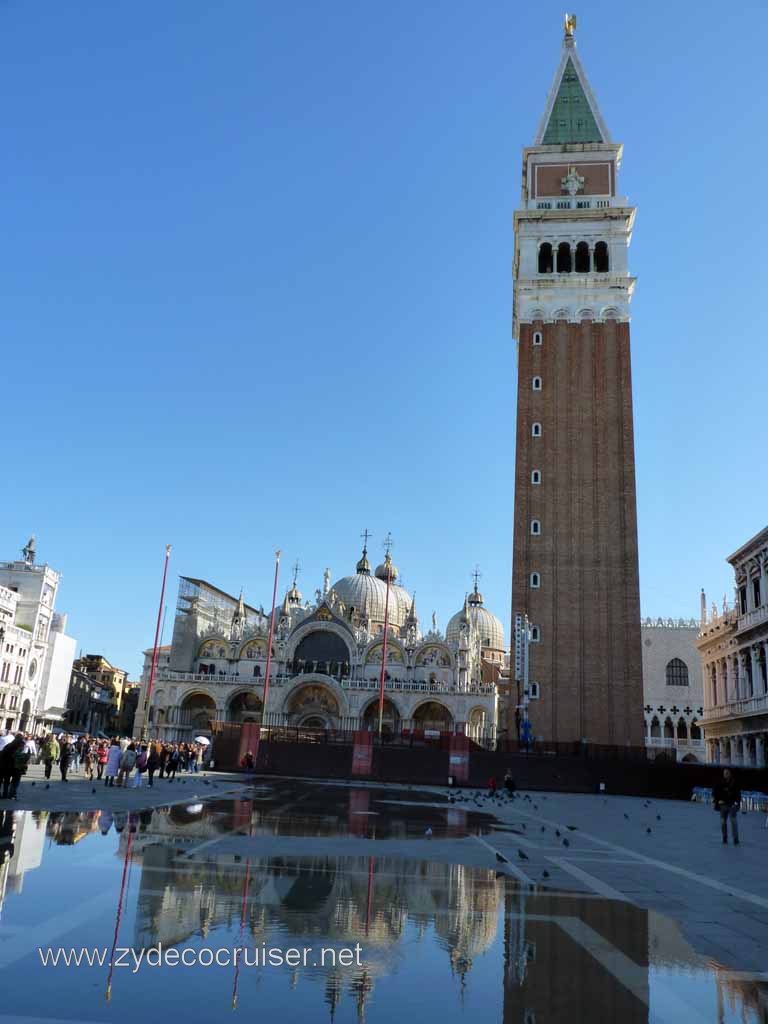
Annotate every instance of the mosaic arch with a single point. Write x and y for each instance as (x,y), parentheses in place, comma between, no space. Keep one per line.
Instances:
(216,647)
(253,650)
(433,657)
(313,698)
(394,654)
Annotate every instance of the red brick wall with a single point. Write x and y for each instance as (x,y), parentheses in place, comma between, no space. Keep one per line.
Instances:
(588,662)
(547,178)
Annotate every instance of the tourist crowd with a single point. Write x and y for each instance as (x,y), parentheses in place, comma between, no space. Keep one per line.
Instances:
(119,761)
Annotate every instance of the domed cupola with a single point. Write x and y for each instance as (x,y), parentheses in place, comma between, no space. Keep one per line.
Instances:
(387,568)
(366,592)
(484,622)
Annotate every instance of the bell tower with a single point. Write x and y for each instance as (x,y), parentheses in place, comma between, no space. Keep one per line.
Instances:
(575,560)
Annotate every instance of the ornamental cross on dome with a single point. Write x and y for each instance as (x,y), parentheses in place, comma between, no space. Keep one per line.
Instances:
(572,182)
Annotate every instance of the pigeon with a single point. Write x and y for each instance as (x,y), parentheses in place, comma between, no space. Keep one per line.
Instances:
(524,825)
(47,785)
(33,783)
(658,817)
(521,855)
(428,833)
(543,828)
(545,874)
(93,790)
(535,807)
(572,828)
(501,858)
(566,843)
(648,831)
(626,817)
(557,832)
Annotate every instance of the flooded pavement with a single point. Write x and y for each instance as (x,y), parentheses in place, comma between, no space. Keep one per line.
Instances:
(360,937)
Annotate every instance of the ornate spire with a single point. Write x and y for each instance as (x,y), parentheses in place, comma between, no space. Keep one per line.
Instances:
(476,598)
(412,617)
(571,113)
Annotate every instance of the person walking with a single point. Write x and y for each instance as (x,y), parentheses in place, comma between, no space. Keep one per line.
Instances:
(10,758)
(509,782)
(727,800)
(112,764)
(141,765)
(101,759)
(66,754)
(86,759)
(49,748)
(127,764)
(172,764)
(153,762)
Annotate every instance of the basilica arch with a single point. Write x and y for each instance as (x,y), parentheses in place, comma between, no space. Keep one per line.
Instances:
(390,719)
(320,648)
(198,710)
(432,714)
(244,706)
(314,705)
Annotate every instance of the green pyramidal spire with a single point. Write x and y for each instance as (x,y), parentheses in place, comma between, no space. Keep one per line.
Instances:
(571,119)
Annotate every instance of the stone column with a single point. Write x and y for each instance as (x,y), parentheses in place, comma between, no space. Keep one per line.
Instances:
(748,588)
(754,652)
(733,665)
(760,751)
(734,751)
(746,752)
(765,664)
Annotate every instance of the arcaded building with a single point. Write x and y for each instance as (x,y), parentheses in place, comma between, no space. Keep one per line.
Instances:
(733,645)
(575,558)
(326,663)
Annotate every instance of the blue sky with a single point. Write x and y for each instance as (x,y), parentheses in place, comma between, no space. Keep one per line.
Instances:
(256,290)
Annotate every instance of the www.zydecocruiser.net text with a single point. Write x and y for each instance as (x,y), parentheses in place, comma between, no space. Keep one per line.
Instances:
(224,956)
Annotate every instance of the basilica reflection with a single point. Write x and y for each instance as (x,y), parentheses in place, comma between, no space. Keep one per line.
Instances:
(464,940)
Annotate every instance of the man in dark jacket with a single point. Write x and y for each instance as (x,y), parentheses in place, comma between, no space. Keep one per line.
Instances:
(727,800)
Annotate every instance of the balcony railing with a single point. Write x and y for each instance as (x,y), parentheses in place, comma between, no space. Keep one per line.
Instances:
(737,709)
(751,619)
(397,685)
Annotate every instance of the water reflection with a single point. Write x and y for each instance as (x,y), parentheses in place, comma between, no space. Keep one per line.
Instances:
(443,939)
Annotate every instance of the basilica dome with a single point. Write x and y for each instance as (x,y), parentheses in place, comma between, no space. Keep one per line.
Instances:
(368,594)
(486,624)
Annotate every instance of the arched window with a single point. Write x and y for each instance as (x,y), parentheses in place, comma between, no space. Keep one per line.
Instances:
(534,691)
(536,476)
(536,430)
(582,258)
(535,581)
(669,729)
(682,729)
(601,258)
(564,258)
(545,258)
(535,634)
(536,383)
(677,673)
(535,527)
(655,728)
(695,730)
(537,338)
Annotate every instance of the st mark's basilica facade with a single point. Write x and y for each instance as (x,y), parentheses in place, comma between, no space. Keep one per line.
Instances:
(326,661)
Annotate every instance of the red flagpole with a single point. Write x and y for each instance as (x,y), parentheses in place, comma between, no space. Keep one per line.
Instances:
(271,634)
(118,916)
(150,684)
(384,650)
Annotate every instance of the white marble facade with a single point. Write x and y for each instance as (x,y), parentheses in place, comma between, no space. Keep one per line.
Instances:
(672,688)
(733,646)
(326,662)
